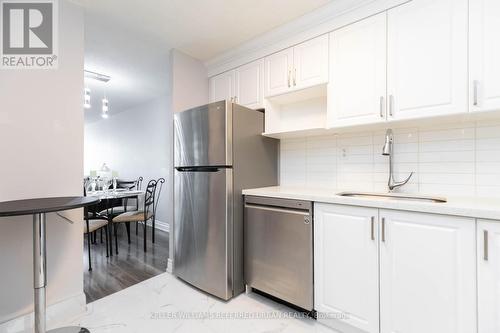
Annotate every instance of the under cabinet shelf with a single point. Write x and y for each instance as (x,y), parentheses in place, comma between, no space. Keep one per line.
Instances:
(298,133)
(297,111)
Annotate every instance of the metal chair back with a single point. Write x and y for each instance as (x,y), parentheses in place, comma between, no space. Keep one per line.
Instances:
(159,185)
(138,183)
(149,196)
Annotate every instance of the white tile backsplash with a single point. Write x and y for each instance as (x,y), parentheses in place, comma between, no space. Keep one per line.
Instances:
(455,159)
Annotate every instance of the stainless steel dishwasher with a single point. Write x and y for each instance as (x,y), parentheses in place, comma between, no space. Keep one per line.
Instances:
(279,248)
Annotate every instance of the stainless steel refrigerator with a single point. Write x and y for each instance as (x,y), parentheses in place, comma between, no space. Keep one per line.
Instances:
(219,150)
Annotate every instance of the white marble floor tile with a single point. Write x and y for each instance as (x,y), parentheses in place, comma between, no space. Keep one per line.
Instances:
(166,304)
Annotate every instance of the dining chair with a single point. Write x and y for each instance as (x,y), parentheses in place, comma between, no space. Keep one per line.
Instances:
(89,227)
(159,185)
(128,184)
(139,215)
(93,213)
(122,205)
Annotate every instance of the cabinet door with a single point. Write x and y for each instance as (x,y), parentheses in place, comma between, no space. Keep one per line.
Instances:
(278,70)
(488,274)
(310,63)
(249,84)
(427,273)
(484,55)
(346,265)
(357,86)
(222,86)
(427,58)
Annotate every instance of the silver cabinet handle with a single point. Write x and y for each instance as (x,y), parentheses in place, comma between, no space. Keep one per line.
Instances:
(289,74)
(295,76)
(383,229)
(391,105)
(485,245)
(381,106)
(476,84)
(373,228)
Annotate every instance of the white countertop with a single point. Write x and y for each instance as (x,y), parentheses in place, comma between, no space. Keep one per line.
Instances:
(483,208)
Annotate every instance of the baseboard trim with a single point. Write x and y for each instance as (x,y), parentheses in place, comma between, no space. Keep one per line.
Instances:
(58,314)
(170,266)
(160,225)
(163,226)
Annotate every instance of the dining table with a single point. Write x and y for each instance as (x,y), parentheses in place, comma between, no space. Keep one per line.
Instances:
(109,197)
(116,194)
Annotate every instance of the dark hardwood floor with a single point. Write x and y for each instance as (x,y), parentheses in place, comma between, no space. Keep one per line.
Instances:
(129,267)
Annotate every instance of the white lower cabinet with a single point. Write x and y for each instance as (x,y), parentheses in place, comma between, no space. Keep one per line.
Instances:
(427,273)
(488,275)
(346,266)
(415,273)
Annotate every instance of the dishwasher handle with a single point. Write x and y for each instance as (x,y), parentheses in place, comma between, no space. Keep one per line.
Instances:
(279,202)
(279,209)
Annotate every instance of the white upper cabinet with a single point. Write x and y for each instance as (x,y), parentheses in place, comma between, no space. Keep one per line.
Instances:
(357,85)
(427,58)
(484,55)
(278,70)
(346,265)
(488,274)
(298,67)
(249,84)
(243,85)
(311,63)
(427,273)
(222,86)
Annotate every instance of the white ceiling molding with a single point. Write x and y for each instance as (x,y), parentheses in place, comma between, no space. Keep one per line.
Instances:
(320,21)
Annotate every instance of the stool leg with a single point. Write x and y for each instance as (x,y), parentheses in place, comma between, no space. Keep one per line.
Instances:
(101,234)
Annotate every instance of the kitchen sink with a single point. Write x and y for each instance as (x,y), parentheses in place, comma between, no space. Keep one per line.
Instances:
(393,196)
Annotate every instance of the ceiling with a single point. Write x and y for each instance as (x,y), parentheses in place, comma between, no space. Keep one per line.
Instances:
(200,28)
(130,40)
(138,67)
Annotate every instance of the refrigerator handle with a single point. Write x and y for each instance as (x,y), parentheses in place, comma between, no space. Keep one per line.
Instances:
(198,169)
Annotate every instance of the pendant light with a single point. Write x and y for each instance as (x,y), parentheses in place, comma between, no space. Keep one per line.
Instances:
(86,99)
(105,108)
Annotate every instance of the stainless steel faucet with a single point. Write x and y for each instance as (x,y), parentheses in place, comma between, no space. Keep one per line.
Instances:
(388,151)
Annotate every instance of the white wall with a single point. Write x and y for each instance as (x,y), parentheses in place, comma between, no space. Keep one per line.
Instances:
(189,89)
(41,145)
(189,82)
(461,159)
(135,143)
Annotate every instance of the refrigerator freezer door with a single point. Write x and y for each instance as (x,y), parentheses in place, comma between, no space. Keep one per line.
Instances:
(203,229)
(203,136)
